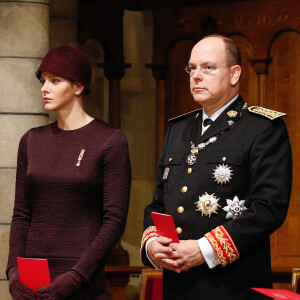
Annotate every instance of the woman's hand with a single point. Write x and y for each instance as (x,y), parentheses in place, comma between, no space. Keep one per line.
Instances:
(62,287)
(17,289)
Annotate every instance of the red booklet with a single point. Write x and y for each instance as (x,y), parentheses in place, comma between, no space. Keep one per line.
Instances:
(165,226)
(34,272)
(278,294)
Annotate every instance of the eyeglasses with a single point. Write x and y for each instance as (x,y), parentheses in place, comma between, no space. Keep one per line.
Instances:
(205,69)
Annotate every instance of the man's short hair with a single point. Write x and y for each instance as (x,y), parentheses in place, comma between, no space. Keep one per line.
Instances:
(233,54)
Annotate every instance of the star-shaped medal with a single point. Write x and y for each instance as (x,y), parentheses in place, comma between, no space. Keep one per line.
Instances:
(207,204)
(222,174)
(234,207)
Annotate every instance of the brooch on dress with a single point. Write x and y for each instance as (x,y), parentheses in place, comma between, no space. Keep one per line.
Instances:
(234,207)
(207,204)
(80,157)
(222,174)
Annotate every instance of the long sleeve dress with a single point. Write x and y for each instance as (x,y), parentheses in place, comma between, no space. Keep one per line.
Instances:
(72,196)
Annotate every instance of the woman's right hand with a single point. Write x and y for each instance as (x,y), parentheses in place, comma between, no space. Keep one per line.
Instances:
(17,289)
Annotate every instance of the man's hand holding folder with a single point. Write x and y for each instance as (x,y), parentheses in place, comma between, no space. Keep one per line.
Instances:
(170,253)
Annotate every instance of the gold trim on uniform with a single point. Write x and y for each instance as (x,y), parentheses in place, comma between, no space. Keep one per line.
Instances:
(148,233)
(223,245)
(268,113)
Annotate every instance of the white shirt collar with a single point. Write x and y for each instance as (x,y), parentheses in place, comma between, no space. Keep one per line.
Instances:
(215,115)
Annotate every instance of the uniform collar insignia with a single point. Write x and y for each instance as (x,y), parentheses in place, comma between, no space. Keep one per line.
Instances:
(268,113)
(232,113)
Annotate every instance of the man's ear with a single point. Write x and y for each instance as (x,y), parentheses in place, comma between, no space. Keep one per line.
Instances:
(235,74)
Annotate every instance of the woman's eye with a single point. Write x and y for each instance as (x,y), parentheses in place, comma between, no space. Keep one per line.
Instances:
(55,80)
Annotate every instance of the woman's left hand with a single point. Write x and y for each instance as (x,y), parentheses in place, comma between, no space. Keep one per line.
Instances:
(62,287)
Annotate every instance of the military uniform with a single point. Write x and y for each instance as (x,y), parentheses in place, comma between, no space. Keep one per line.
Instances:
(244,155)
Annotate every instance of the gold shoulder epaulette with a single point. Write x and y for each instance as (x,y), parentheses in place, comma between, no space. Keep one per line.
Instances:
(185,115)
(268,113)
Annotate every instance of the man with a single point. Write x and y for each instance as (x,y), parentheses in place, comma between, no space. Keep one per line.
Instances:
(224,174)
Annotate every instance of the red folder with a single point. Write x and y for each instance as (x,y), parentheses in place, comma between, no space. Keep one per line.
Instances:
(34,272)
(165,226)
(278,294)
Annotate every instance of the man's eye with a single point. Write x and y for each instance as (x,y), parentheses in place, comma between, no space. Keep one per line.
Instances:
(193,68)
(208,67)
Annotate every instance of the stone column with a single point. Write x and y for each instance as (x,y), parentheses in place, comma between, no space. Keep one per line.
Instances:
(114,73)
(159,72)
(62,27)
(261,66)
(63,22)
(24,41)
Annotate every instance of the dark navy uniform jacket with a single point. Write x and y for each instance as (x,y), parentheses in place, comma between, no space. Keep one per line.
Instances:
(257,151)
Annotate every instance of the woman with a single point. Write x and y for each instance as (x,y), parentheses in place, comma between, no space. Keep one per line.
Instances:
(72,187)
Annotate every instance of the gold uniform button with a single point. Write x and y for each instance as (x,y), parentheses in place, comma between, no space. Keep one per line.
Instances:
(179,230)
(190,170)
(224,158)
(180,209)
(170,159)
(184,189)
(196,152)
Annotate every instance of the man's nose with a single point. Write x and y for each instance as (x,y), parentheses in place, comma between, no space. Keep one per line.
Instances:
(198,75)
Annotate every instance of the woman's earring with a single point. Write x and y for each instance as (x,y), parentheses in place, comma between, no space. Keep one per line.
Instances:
(77,93)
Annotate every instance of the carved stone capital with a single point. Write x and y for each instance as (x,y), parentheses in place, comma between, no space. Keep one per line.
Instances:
(159,71)
(114,70)
(261,65)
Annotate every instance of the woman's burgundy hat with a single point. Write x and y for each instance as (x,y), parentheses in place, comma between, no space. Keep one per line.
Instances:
(68,62)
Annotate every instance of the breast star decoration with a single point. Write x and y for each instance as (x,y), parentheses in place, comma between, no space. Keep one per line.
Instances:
(207,204)
(222,174)
(234,207)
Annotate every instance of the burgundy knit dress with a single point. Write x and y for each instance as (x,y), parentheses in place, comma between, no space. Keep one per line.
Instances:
(71,208)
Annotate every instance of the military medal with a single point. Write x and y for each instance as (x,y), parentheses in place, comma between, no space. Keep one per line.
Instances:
(191,159)
(80,157)
(166,173)
(222,174)
(207,204)
(234,207)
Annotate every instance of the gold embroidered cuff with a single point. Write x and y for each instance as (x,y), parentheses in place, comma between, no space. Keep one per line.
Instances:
(148,233)
(223,245)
